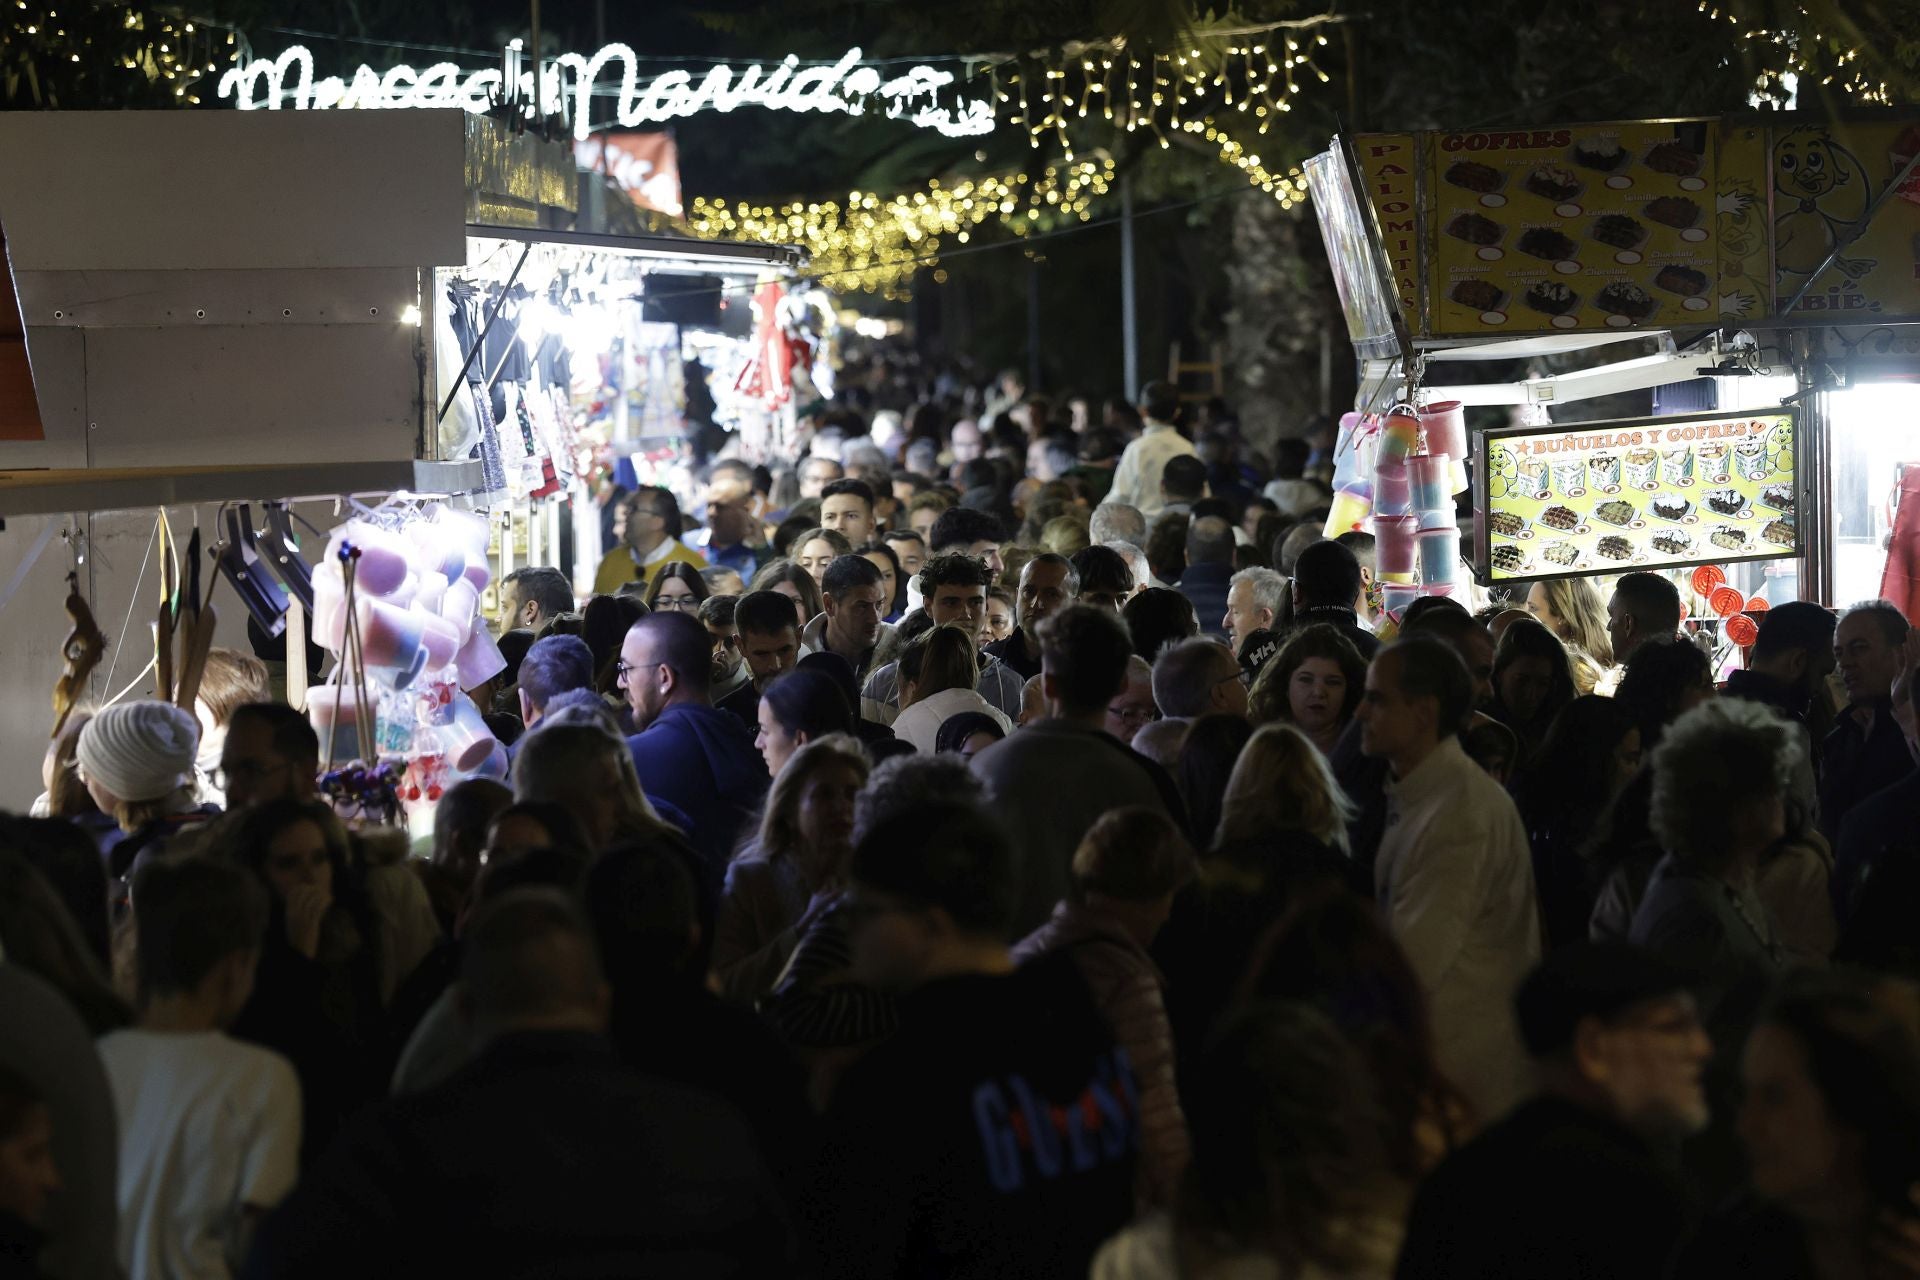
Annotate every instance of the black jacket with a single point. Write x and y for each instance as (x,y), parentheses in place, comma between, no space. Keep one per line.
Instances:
(1552,1190)
(992,1136)
(545,1157)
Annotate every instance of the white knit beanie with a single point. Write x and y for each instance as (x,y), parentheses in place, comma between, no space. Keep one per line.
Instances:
(140,750)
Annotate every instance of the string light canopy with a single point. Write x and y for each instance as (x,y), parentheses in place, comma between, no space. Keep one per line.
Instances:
(1252,72)
(1821,46)
(875,242)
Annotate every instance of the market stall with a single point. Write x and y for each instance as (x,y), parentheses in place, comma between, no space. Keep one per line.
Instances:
(234,433)
(571,362)
(1758,275)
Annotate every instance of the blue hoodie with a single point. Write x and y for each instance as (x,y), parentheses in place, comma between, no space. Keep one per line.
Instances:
(702,761)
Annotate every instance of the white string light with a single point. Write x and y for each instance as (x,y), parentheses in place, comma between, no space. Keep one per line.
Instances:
(846,87)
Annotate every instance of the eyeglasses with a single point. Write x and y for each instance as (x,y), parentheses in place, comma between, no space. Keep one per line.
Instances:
(677,602)
(1134,715)
(622,670)
(225,775)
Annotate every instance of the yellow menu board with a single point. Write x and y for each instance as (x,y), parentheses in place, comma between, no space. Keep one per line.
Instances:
(1648,224)
(1637,493)
(1582,228)
(1390,168)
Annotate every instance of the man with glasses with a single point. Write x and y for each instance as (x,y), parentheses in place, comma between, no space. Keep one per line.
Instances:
(1199,678)
(1054,778)
(652,540)
(1133,709)
(688,752)
(1576,1173)
(271,754)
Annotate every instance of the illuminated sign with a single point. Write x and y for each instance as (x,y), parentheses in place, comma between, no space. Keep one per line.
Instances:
(1639,493)
(574,80)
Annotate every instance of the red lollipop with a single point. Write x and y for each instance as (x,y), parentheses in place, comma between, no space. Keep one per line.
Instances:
(1757,605)
(1742,630)
(1726,601)
(1706,578)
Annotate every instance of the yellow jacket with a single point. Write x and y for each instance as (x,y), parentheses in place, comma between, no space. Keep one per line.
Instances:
(618,567)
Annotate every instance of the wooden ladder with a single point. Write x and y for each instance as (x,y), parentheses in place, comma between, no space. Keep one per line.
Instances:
(1180,371)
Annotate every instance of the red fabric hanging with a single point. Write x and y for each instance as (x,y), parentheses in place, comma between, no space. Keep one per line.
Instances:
(1900,580)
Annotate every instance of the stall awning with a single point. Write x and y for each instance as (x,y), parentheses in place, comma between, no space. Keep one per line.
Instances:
(713,253)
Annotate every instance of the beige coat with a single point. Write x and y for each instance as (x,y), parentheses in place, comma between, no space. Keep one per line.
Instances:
(1455,879)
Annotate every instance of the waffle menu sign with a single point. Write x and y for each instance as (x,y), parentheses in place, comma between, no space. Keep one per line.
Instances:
(1649,493)
(1648,224)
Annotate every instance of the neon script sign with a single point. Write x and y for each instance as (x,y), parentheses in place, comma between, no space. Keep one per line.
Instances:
(846,87)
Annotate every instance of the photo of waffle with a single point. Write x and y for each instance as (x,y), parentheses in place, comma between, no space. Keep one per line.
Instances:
(1732,539)
(1670,506)
(1481,295)
(1562,518)
(1474,176)
(1545,242)
(1475,228)
(1508,560)
(1777,496)
(1507,524)
(1674,159)
(1684,281)
(1564,554)
(1620,231)
(1614,547)
(1673,543)
(1779,532)
(1677,212)
(1551,182)
(1551,298)
(1599,151)
(1617,513)
(1624,298)
(1727,502)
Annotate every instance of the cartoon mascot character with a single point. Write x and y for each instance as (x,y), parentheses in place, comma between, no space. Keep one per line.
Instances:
(1824,192)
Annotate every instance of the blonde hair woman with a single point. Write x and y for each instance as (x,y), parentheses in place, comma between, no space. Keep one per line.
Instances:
(1282,836)
(795,866)
(1573,609)
(1281,783)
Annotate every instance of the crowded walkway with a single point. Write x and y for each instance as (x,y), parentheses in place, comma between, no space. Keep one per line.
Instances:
(1004,838)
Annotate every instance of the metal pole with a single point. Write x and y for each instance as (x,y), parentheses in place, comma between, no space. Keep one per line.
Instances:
(1129,294)
(1033,322)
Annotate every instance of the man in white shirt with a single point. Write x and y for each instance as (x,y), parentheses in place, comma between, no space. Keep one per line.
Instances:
(1136,481)
(1454,874)
(209,1127)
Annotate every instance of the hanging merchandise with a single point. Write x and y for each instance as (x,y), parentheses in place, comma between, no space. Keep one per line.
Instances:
(396,597)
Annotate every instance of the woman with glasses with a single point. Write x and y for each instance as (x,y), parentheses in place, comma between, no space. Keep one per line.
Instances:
(677,587)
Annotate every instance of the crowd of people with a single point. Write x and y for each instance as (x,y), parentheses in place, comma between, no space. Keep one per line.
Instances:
(1006,839)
